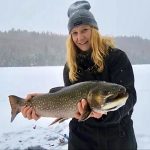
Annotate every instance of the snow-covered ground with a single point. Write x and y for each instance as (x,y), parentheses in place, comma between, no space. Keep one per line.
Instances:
(24,134)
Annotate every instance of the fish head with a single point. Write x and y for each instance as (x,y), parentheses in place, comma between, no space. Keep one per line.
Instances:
(107,97)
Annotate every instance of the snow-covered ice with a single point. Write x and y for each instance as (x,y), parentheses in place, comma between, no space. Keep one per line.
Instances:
(24,134)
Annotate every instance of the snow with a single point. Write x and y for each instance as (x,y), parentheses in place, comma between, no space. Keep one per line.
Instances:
(25,134)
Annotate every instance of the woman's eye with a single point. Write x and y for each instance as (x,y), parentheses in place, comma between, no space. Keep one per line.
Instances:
(85,30)
(74,33)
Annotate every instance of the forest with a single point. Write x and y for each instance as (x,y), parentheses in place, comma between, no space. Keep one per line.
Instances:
(20,48)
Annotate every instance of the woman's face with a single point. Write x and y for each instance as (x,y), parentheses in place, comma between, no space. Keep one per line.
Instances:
(81,36)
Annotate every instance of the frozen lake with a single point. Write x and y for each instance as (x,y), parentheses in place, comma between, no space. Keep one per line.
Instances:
(22,80)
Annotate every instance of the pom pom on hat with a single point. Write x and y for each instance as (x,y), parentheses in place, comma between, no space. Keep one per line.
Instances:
(79,13)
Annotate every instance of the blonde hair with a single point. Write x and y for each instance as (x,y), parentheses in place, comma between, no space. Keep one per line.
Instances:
(99,44)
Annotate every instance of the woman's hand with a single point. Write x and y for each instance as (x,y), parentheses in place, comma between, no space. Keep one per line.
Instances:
(29,112)
(80,107)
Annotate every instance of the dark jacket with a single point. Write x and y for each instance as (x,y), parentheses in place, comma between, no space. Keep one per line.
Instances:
(113,131)
(118,70)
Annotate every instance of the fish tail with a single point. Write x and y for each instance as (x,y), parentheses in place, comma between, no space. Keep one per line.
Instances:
(15,103)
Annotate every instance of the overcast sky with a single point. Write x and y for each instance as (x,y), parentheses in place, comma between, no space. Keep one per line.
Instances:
(114,17)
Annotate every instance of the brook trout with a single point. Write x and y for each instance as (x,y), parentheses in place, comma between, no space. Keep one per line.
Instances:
(101,97)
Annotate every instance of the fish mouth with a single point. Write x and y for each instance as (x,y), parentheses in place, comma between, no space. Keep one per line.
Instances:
(115,101)
(114,97)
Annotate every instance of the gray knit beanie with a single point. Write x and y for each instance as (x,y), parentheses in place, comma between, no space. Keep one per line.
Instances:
(79,13)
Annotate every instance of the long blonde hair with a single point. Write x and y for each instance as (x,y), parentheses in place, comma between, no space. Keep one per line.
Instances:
(99,44)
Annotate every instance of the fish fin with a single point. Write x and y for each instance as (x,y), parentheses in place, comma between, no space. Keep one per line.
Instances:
(62,120)
(58,120)
(15,103)
(86,113)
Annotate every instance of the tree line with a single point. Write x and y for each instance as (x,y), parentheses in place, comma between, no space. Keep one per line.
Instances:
(23,48)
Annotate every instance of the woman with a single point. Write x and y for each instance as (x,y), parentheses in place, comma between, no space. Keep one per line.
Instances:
(90,56)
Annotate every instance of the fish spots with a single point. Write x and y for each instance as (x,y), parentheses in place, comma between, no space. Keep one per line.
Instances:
(63,103)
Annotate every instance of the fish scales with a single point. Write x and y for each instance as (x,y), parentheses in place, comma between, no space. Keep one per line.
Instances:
(62,103)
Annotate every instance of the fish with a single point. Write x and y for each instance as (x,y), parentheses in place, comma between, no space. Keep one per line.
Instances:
(101,97)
